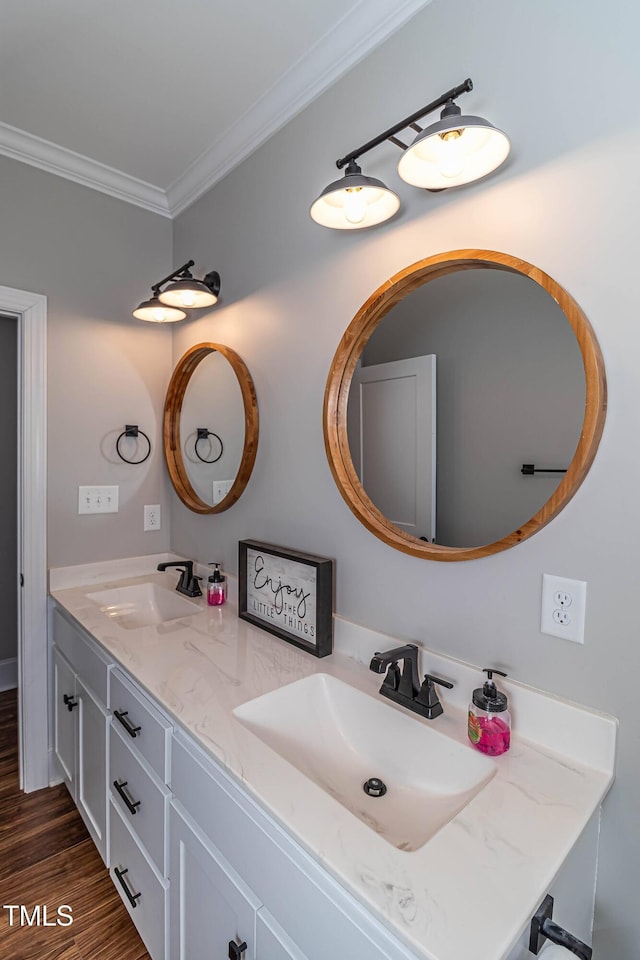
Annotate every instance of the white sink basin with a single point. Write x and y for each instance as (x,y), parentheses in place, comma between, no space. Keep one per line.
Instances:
(142,605)
(340,737)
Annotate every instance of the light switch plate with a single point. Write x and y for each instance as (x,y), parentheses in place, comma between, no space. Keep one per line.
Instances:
(221,489)
(98,499)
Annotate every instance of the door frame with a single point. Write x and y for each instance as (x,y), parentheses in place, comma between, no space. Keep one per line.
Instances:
(31,312)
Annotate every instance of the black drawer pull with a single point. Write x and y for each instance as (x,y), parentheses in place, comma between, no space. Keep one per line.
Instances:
(121,716)
(70,702)
(131,805)
(131,897)
(236,950)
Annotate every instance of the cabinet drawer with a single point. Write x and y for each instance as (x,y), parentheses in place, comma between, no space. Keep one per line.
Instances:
(87,659)
(137,883)
(147,731)
(140,798)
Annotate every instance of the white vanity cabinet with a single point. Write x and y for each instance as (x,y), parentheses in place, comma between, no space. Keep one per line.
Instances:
(139,742)
(223,841)
(81,719)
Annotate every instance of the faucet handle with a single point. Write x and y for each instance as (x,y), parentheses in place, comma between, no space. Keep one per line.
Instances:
(442,683)
(428,696)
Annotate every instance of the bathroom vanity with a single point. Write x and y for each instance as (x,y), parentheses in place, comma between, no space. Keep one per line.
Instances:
(231,814)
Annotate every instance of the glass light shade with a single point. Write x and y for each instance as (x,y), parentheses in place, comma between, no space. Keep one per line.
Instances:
(354,202)
(188,294)
(157,312)
(452,151)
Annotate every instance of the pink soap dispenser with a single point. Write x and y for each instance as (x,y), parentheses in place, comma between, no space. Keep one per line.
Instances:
(216,587)
(489,725)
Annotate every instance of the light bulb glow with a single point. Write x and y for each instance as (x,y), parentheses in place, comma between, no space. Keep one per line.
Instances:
(355,204)
(452,154)
(188,298)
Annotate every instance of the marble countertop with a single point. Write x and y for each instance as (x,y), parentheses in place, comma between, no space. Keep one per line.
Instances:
(440,899)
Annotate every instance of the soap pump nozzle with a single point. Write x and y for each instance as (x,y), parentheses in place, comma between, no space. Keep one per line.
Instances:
(489,688)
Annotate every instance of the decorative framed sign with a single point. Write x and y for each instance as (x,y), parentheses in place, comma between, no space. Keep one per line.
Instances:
(288,594)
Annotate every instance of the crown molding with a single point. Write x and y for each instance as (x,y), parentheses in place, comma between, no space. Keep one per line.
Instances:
(53,158)
(355,35)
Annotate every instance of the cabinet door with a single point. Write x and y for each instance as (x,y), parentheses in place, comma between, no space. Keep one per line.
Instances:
(211,907)
(91,774)
(65,708)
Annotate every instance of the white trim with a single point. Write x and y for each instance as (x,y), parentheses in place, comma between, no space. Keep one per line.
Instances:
(23,146)
(9,673)
(363,27)
(31,309)
(330,58)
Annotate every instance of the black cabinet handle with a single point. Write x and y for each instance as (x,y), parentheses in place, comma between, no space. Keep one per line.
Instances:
(236,950)
(70,702)
(130,804)
(122,717)
(131,897)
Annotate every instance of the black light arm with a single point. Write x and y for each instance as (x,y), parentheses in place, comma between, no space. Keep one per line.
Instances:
(172,276)
(389,134)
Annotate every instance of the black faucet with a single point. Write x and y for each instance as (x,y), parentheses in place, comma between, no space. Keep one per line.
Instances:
(405,688)
(188,583)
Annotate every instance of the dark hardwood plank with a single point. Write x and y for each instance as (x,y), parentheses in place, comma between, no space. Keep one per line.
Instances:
(48,859)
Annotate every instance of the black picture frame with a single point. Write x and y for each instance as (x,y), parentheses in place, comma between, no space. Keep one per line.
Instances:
(287,593)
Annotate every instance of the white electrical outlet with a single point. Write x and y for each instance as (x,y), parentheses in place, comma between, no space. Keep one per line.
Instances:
(221,489)
(563,607)
(152,517)
(97,499)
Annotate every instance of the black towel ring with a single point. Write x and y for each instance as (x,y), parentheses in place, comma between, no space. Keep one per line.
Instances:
(204,434)
(132,430)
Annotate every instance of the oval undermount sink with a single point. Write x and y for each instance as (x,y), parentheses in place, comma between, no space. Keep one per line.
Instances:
(342,738)
(143,605)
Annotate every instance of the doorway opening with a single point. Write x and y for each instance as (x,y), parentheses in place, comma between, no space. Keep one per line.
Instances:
(30,313)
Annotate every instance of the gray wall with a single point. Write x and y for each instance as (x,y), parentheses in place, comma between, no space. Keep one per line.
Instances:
(94,257)
(8,485)
(551,75)
(510,390)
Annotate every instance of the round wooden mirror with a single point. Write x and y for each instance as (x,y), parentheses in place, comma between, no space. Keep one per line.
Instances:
(507,435)
(210,427)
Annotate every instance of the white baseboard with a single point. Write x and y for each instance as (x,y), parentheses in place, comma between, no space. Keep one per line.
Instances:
(9,673)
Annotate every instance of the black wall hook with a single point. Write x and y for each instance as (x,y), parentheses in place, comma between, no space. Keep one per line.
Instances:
(132,430)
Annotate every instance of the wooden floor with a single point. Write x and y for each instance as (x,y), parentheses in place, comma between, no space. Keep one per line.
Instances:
(48,859)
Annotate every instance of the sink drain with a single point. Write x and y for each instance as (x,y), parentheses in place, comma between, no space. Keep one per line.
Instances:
(374,787)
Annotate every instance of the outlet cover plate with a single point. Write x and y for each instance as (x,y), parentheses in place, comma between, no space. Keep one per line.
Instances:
(152,517)
(563,607)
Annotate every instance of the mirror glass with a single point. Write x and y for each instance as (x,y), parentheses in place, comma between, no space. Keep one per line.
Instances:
(212,402)
(464,405)
(210,427)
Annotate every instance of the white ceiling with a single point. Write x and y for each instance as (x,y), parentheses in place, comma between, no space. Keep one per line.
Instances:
(154,101)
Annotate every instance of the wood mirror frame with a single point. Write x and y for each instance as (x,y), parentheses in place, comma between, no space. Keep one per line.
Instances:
(344,364)
(173,409)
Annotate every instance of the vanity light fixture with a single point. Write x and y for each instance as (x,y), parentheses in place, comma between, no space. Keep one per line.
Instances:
(183,293)
(456,149)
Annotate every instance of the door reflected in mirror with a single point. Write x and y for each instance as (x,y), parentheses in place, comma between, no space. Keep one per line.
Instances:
(454,374)
(510,390)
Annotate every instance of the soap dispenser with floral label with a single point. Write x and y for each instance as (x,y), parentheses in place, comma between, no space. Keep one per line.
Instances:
(489,724)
